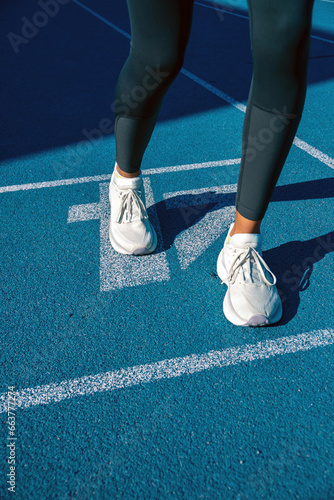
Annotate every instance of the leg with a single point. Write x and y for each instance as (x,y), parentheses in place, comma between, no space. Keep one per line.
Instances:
(160,32)
(280,37)
(243,225)
(280,34)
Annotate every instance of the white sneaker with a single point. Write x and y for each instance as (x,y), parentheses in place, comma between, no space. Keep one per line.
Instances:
(130,230)
(252,298)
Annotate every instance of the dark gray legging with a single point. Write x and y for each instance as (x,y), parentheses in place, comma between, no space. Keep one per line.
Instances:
(280,39)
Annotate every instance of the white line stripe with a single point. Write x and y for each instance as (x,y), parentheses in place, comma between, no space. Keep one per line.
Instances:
(316,153)
(106,177)
(222,10)
(224,96)
(100,178)
(176,199)
(323,39)
(190,75)
(112,25)
(191,166)
(190,243)
(214,90)
(49,184)
(117,270)
(80,213)
(216,8)
(169,368)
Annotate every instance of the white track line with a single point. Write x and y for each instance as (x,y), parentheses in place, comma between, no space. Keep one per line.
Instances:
(112,25)
(191,166)
(50,184)
(166,369)
(118,271)
(323,39)
(319,155)
(297,142)
(106,177)
(219,9)
(175,199)
(316,153)
(190,244)
(214,90)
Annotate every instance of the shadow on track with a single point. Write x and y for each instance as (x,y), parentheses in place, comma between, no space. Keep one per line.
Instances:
(292,262)
(59,84)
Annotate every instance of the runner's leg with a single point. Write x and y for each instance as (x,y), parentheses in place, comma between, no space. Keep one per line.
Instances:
(160,31)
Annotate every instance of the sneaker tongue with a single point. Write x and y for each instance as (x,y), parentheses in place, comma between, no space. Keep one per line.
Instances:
(134,184)
(241,241)
(247,240)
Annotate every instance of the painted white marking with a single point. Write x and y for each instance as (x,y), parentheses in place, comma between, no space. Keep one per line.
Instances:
(178,199)
(116,270)
(219,9)
(191,166)
(106,177)
(65,182)
(195,240)
(323,39)
(214,90)
(50,184)
(316,153)
(95,14)
(198,80)
(167,369)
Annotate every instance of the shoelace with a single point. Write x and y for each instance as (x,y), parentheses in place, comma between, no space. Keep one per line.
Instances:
(130,199)
(250,256)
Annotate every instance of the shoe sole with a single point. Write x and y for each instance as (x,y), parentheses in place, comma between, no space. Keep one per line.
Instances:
(138,251)
(230,313)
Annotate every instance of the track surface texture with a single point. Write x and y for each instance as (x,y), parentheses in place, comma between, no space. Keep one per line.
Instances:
(120,376)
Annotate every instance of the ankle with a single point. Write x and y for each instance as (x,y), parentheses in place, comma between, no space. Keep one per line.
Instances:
(245,226)
(244,230)
(127,175)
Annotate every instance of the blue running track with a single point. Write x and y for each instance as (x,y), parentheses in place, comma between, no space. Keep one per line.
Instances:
(120,376)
